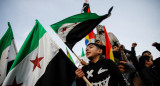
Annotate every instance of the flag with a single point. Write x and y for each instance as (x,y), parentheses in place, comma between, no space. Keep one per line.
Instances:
(109,53)
(83,57)
(82,53)
(69,56)
(40,62)
(74,28)
(8,52)
(90,38)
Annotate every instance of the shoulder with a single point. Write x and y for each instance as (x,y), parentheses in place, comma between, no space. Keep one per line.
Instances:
(108,61)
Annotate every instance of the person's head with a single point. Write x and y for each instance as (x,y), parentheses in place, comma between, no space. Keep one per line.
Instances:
(98,42)
(115,48)
(93,51)
(146,61)
(147,53)
(122,67)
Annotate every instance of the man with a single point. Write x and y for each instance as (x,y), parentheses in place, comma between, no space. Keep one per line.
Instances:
(148,75)
(127,70)
(99,71)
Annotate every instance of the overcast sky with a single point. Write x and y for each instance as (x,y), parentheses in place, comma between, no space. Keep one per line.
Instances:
(131,20)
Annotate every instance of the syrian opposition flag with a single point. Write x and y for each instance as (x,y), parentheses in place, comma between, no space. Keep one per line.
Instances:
(109,53)
(40,62)
(90,38)
(74,28)
(8,52)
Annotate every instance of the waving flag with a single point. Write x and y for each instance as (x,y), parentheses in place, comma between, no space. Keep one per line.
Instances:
(69,56)
(8,52)
(90,38)
(74,28)
(40,62)
(109,53)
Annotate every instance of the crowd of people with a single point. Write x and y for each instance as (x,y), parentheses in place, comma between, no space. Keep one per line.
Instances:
(127,70)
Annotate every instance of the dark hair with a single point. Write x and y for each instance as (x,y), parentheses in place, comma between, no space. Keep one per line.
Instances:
(98,46)
(97,40)
(115,44)
(123,65)
(142,59)
(146,52)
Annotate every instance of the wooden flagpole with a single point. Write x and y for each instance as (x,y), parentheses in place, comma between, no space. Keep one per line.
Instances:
(84,78)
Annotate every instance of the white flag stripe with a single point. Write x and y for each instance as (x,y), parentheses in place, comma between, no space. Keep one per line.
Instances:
(65,29)
(3,64)
(12,51)
(24,72)
(8,55)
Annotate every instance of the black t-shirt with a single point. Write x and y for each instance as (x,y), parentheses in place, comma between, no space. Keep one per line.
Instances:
(103,73)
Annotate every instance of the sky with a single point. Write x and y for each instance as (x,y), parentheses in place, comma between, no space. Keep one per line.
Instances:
(131,20)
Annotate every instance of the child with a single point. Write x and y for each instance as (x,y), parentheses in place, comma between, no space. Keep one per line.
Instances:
(99,71)
(127,70)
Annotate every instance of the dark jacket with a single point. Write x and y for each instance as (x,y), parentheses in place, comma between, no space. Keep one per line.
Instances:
(103,73)
(157,45)
(149,76)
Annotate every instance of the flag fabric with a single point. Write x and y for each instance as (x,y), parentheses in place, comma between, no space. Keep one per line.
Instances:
(8,52)
(74,28)
(90,38)
(109,53)
(82,53)
(83,57)
(40,62)
(69,56)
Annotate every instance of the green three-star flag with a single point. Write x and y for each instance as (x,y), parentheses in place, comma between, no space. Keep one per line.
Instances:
(8,52)
(40,62)
(74,28)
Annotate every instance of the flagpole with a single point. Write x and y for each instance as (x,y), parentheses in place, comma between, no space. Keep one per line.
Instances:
(84,78)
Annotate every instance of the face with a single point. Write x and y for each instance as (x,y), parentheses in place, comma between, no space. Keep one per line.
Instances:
(92,51)
(115,48)
(150,62)
(121,68)
(148,54)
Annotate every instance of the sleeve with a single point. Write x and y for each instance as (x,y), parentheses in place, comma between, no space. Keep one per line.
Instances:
(134,59)
(136,63)
(157,45)
(133,51)
(115,73)
(131,68)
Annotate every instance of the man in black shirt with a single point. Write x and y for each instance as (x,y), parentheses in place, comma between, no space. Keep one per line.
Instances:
(99,71)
